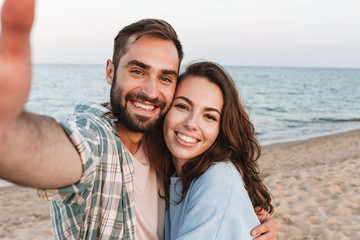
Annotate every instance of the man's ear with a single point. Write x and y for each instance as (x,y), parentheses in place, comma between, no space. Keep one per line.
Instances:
(109,72)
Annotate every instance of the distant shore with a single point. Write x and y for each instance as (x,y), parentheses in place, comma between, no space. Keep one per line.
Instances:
(315,184)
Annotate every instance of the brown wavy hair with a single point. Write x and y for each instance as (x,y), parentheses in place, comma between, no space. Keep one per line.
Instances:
(236,142)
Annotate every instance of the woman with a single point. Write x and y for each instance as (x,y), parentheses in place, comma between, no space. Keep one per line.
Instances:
(212,182)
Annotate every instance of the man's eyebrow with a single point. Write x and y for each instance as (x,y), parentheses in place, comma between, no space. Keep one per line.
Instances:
(137,63)
(208,109)
(145,66)
(169,72)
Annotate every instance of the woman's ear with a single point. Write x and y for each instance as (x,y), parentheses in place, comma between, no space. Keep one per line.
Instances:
(109,72)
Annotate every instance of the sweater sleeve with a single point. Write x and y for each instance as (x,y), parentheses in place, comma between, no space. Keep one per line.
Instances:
(218,206)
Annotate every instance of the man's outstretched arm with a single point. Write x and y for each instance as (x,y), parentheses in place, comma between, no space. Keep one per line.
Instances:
(268,227)
(34,150)
(15,58)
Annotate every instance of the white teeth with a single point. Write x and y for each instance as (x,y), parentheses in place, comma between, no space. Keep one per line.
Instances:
(186,138)
(143,106)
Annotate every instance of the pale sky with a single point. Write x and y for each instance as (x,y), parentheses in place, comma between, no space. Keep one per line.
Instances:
(303,33)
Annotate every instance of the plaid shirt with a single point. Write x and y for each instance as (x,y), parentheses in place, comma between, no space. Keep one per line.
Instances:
(101,204)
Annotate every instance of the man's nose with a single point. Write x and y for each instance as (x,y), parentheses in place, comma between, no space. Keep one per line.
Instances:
(150,87)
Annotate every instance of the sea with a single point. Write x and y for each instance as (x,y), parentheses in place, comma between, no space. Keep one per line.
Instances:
(284,103)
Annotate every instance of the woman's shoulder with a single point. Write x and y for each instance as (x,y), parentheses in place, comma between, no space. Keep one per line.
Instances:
(220,175)
(221,170)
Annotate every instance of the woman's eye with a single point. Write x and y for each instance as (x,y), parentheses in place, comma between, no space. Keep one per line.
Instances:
(210,117)
(181,106)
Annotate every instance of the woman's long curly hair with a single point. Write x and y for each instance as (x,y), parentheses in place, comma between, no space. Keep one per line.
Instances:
(236,142)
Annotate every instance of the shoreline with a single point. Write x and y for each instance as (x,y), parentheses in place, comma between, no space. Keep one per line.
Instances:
(315,185)
(265,143)
(307,148)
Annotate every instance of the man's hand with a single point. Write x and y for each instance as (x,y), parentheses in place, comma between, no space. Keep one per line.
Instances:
(268,227)
(34,149)
(15,59)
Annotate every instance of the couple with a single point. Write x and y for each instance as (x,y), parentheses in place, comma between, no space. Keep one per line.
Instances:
(104,166)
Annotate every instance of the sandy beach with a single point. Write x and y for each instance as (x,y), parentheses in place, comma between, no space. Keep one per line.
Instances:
(315,184)
(23,215)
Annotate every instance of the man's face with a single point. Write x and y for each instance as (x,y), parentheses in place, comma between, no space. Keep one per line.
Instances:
(145,83)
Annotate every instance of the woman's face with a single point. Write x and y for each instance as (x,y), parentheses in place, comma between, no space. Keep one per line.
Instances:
(193,121)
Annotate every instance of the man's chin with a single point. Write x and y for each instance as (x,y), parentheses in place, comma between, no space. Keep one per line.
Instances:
(141,124)
(141,128)
(136,122)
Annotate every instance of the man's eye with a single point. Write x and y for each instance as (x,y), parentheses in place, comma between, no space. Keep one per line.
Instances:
(138,72)
(166,79)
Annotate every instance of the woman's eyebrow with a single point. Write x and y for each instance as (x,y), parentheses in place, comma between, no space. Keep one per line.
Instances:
(191,104)
(185,99)
(212,110)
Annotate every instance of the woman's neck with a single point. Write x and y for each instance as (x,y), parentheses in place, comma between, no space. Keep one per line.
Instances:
(179,163)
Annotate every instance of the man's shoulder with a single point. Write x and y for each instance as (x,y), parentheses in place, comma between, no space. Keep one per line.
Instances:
(89,120)
(92,107)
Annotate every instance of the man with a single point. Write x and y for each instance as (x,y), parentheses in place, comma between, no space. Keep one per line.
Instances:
(86,164)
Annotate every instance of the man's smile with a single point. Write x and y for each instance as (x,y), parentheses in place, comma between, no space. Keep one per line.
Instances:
(144,106)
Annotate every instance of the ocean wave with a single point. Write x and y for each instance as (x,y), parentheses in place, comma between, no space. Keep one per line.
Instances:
(272,109)
(338,120)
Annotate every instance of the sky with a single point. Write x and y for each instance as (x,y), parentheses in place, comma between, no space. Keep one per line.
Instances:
(299,33)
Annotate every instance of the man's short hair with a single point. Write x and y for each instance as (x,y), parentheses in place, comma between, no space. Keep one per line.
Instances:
(147,27)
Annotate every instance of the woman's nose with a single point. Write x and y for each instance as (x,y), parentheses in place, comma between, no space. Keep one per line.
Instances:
(191,122)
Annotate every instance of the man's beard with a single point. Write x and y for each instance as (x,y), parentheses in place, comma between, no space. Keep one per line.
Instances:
(137,123)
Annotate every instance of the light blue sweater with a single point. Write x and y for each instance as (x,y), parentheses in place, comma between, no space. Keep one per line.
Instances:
(217,206)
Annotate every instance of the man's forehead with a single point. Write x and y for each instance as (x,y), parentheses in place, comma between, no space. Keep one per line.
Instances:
(139,39)
(132,39)
(148,51)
